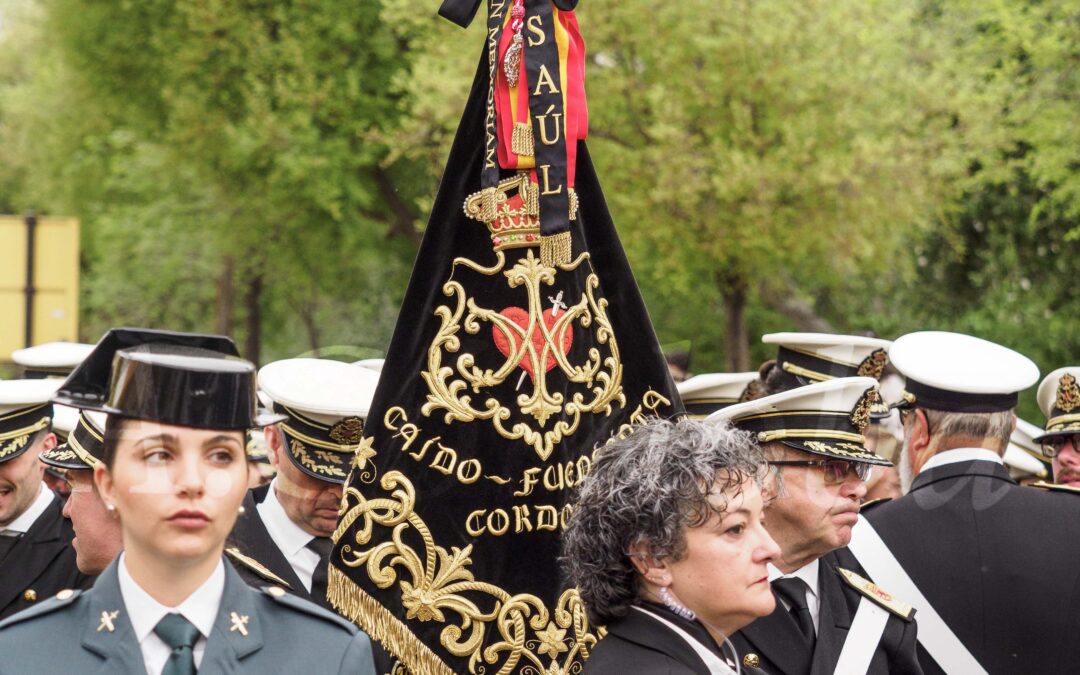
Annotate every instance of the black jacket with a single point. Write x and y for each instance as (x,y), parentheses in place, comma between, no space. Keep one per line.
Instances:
(639,644)
(260,563)
(40,564)
(999,562)
(781,648)
(256,557)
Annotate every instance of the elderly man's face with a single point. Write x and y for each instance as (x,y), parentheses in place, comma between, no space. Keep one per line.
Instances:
(1067,462)
(810,517)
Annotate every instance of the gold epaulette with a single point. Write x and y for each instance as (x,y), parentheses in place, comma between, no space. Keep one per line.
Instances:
(256,567)
(874,502)
(1055,487)
(877,594)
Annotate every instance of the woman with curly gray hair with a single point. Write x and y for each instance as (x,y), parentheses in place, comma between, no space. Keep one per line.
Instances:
(667,548)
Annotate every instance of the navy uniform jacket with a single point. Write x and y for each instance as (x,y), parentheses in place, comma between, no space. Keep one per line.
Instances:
(259,562)
(638,644)
(781,649)
(256,557)
(67,634)
(999,562)
(41,563)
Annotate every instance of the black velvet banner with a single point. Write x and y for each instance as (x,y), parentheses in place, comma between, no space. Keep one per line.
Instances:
(503,376)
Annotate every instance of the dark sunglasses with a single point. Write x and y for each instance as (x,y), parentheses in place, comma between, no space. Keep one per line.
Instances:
(836,470)
(1053,446)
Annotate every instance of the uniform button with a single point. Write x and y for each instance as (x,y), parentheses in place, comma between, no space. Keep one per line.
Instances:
(751,661)
(65,594)
(30,595)
(276,591)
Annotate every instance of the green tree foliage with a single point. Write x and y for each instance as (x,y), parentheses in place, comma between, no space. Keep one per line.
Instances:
(853,165)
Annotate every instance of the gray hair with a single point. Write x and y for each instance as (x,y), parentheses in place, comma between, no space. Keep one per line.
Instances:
(646,490)
(997,426)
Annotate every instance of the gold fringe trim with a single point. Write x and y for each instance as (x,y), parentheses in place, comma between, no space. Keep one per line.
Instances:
(356,605)
(555,249)
(521,141)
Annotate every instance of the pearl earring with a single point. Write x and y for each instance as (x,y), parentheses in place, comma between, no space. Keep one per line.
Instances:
(110,508)
(241,510)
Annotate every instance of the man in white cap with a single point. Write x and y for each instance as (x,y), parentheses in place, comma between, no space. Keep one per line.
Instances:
(805,358)
(1059,398)
(706,393)
(51,360)
(967,546)
(36,557)
(283,536)
(829,617)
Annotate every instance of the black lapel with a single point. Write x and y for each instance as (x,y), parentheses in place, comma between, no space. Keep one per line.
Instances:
(650,633)
(252,540)
(33,553)
(834,618)
(777,639)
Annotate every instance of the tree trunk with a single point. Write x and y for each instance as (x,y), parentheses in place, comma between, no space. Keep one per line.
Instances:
(224,300)
(736,344)
(253,304)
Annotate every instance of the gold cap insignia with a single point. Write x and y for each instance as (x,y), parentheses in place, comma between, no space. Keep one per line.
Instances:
(1068,394)
(873,365)
(348,431)
(874,592)
(751,660)
(860,416)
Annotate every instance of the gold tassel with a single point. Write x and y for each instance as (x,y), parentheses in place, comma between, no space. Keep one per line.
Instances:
(488,212)
(354,604)
(521,142)
(531,197)
(555,249)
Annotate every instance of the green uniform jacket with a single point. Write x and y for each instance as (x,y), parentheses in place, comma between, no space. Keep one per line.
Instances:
(71,633)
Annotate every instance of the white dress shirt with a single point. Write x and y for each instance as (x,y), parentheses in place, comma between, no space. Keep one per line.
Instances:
(287,535)
(962,455)
(26,520)
(200,608)
(809,574)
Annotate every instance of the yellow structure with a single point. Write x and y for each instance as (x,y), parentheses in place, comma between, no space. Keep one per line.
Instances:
(55,297)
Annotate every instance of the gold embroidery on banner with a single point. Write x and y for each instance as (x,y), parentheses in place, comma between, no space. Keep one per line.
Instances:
(1068,394)
(437,585)
(600,375)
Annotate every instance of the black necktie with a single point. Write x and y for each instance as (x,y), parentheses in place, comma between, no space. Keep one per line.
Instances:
(8,539)
(181,635)
(793,590)
(321,546)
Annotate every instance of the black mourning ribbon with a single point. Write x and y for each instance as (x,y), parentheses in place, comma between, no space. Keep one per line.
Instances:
(793,591)
(181,636)
(462,12)
(322,546)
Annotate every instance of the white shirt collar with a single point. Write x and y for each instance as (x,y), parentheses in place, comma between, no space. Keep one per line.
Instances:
(808,573)
(962,455)
(288,536)
(200,608)
(24,522)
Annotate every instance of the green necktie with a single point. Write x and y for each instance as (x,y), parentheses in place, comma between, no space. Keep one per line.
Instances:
(181,635)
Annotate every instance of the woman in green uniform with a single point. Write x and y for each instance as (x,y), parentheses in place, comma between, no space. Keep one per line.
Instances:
(174,474)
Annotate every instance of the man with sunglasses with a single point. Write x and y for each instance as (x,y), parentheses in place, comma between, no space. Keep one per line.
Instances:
(813,438)
(1059,398)
(966,545)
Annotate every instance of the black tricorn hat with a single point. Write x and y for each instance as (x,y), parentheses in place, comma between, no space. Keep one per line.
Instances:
(186,379)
